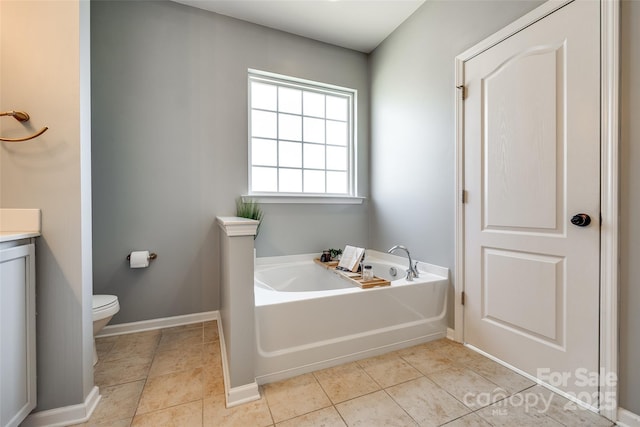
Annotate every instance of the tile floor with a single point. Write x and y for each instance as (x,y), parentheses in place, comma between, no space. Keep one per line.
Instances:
(173,377)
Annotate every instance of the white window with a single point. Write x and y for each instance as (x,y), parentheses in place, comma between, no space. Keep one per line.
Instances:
(301,137)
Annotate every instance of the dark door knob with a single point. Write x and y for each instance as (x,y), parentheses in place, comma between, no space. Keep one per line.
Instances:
(581,220)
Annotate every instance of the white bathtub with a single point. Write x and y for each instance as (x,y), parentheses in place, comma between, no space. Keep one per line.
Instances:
(308,318)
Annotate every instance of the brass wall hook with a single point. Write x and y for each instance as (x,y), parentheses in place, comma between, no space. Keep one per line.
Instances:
(21,116)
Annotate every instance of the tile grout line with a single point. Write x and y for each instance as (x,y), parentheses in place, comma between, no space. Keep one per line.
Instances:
(417,424)
(333,404)
(202,379)
(273,420)
(443,389)
(146,379)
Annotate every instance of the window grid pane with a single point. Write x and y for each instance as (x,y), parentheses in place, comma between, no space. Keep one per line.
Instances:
(337,108)
(337,182)
(313,104)
(337,158)
(314,130)
(303,135)
(290,180)
(289,127)
(314,181)
(264,179)
(290,154)
(337,132)
(263,96)
(264,124)
(314,156)
(264,152)
(289,100)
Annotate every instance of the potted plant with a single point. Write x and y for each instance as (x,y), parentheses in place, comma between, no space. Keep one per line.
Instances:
(335,253)
(249,208)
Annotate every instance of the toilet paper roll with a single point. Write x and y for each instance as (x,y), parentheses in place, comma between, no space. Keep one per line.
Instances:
(139,259)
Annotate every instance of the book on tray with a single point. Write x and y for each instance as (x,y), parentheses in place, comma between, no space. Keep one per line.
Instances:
(351,257)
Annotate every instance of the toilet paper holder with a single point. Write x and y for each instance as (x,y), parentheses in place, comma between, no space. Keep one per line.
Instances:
(151,257)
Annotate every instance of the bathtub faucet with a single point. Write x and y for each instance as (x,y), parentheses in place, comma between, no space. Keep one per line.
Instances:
(412,271)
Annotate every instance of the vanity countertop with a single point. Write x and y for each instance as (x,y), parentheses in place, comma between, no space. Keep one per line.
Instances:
(16,224)
(7,236)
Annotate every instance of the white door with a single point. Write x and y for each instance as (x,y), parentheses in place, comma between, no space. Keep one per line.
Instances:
(532,162)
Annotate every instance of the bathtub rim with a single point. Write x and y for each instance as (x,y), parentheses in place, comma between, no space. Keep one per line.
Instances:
(369,253)
(264,295)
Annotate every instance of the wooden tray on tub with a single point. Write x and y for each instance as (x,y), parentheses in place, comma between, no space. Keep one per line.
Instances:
(364,284)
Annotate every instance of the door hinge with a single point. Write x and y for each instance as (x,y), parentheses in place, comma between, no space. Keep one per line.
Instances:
(462,298)
(464,196)
(463,91)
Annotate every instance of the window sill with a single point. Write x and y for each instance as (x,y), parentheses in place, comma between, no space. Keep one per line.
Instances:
(304,199)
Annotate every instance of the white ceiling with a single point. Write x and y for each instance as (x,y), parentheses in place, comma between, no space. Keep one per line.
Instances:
(355,24)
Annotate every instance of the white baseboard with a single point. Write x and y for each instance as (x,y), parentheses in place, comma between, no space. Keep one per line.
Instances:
(65,416)
(153,324)
(451,334)
(628,418)
(235,395)
(243,394)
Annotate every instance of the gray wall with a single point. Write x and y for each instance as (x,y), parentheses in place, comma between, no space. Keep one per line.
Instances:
(169,99)
(630,206)
(412,124)
(45,71)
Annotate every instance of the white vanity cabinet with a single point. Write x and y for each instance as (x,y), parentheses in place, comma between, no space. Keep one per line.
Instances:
(17,330)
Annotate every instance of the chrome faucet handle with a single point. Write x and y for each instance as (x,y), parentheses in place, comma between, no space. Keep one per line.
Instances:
(412,271)
(410,275)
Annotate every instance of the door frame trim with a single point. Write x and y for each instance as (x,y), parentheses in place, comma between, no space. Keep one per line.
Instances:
(609,197)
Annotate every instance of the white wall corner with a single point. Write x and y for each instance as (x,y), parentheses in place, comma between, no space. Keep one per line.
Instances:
(67,415)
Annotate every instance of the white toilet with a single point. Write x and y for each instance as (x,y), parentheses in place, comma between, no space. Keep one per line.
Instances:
(104,308)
